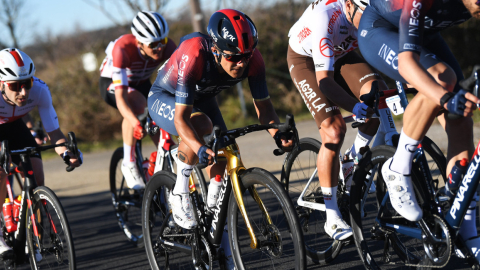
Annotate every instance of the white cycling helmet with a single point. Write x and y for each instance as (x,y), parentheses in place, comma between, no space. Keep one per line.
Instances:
(149,27)
(15,65)
(361,3)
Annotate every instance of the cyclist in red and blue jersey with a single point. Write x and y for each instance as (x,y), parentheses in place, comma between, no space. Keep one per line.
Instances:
(182,99)
(402,38)
(125,80)
(21,93)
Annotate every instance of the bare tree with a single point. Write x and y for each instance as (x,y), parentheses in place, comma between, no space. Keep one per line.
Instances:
(113,10)
(9,17)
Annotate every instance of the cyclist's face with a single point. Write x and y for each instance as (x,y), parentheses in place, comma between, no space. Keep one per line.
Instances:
(155,54)
(19,96)
(235,70)
(473,7)
(353,17)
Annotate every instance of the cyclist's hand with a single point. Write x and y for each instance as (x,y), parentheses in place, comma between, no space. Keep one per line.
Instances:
(138,132)
(73,160)
(284,140)
(461,103)
(361,112)
(205,155)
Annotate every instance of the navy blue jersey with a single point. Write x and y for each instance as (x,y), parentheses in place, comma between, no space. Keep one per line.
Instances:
(191,73)
(416,18)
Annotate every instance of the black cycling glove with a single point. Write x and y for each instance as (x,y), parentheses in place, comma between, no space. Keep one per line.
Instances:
(279,135)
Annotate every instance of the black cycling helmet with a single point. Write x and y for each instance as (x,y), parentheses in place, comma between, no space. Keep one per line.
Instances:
(232,30)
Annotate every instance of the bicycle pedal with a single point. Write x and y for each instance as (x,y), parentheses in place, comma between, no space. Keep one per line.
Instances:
(9,264)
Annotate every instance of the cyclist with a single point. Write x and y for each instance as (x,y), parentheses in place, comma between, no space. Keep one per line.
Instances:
(182,99)
(329,74)
(402,38)
(125,80)
(22,92)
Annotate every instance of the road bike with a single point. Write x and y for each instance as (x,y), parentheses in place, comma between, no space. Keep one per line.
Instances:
(127,202)
(428,243)
(299,175)
(42,237)
(263,229)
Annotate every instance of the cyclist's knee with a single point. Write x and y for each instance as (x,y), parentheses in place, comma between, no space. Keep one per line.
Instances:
(137,102)
(37,166)
(201,123)
(333,130)
(444,75)
(370,127)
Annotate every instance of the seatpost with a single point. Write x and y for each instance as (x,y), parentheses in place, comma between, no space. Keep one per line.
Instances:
(401,94)
(30,182)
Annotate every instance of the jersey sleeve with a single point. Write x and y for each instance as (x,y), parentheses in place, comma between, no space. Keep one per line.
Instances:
(190,59)
(256,77)
(411,25)
(45,108)
(120,63)
(323,53)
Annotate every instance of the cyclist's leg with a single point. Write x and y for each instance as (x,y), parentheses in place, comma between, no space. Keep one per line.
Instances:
(332,131)
(356,76)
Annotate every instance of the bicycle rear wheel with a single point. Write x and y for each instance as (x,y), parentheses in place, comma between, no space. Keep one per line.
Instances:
(280,242)
(50,246)
(300,166)
(126,202)
(374,243)
(158,226)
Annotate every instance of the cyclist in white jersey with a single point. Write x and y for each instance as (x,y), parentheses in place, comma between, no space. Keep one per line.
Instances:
(22,92)
(329,74)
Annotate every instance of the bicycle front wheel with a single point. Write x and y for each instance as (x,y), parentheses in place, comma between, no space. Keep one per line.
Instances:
(126,202)
(300,167)
(49,240)
(273,220)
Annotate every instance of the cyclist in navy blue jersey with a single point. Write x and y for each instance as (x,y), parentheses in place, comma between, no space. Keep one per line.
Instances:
(402,38)
(182,99)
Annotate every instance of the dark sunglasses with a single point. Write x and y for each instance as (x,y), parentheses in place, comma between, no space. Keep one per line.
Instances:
(235,58)
(17,86)
(158,44)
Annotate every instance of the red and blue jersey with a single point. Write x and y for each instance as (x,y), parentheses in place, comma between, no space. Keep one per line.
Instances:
(191,73)
(416,18)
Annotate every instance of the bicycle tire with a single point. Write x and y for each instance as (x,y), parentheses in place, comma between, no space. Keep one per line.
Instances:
(126,202)
(299,167)
(286,250)
(154,213)
(54,235)
(369,238)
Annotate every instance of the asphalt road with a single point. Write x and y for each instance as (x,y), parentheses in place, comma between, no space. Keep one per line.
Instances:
(99,242)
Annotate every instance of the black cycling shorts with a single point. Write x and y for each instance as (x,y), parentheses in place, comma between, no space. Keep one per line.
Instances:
(18,136)
(107,91)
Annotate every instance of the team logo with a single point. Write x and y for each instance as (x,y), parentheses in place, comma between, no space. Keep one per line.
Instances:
(363,33)
(326,47)
(226,34)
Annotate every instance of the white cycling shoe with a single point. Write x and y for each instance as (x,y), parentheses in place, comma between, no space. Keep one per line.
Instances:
(182,210)
(402,195)
(5,250)
(339,230)
(132,176)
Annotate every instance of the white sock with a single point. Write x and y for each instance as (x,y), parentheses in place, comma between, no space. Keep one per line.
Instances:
(402,160)
(330,198)
(183,173)
(469,225)
(128,153)
(361,140)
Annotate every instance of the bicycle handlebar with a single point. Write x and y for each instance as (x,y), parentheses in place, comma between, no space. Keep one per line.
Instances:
(70,144)
(216,140)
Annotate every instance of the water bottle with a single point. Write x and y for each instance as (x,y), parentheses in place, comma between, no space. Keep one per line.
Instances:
(455,178)
(16,208)
(151,163)
(347,170)
(7,215)
(213,190)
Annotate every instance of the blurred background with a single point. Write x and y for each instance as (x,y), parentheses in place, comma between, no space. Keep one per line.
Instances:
(67,41)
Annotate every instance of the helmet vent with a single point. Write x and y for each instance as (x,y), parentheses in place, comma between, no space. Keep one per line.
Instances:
(236,18)
(145,26)
(138,32)
(245,40)
(154,22)
(11,72)
(31,68)
(3,73)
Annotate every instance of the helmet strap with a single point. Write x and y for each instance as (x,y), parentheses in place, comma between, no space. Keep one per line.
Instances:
(218,57)
(5,95)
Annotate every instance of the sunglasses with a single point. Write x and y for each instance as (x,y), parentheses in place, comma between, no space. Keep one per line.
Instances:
(17,86)
(235,58)
(158,44)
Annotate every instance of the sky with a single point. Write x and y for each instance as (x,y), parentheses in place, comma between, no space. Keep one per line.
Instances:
(41,18)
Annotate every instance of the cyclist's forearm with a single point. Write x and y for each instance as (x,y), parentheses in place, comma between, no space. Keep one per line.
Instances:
(57,137)
(411,70)
(266,114)
(121,97)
